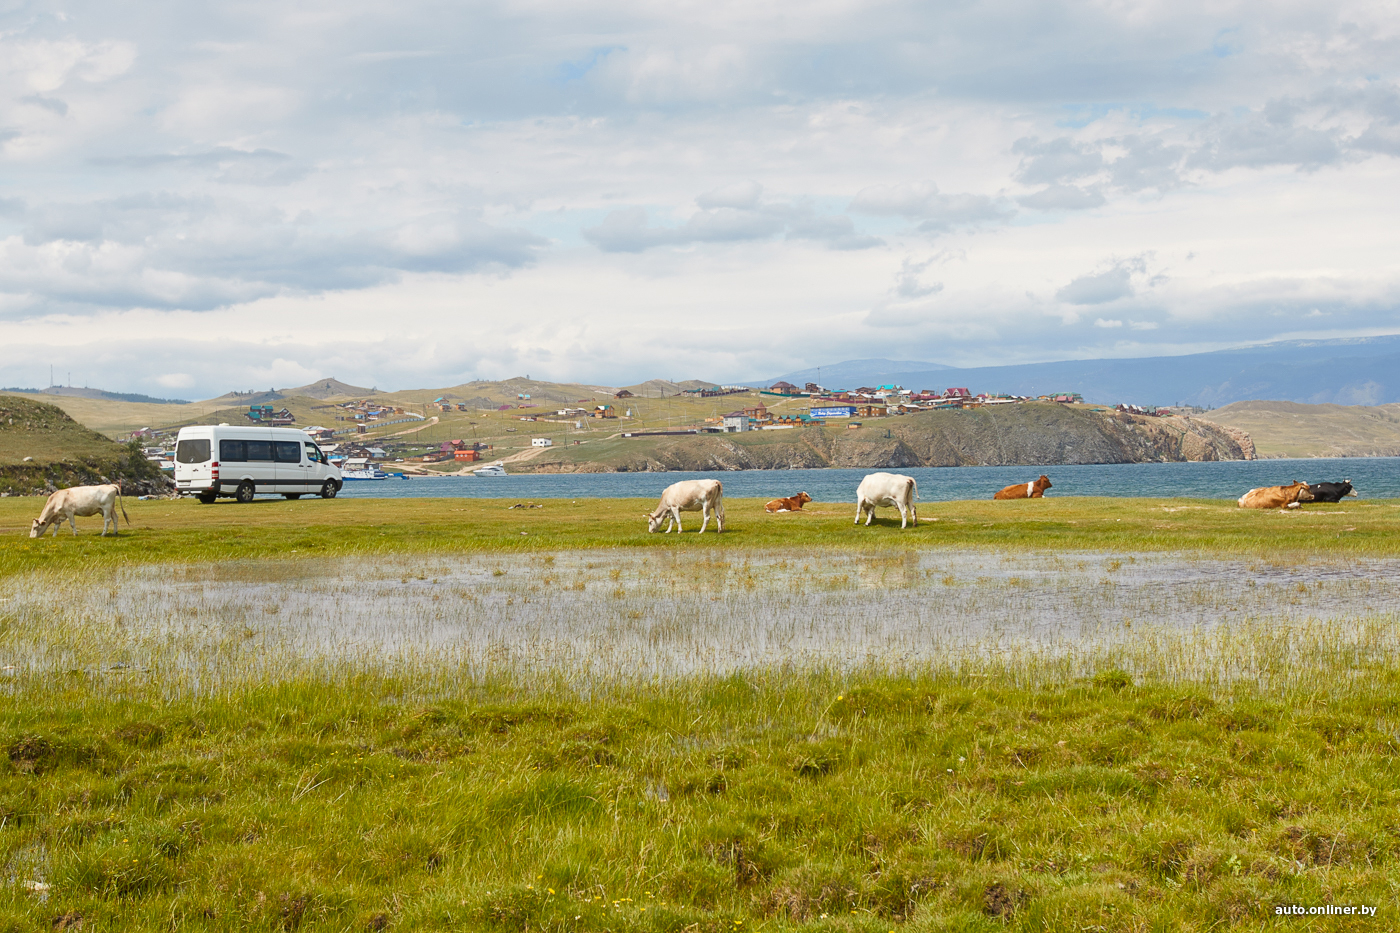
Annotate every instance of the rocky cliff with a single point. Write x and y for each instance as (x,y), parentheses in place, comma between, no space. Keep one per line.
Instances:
(1032,434)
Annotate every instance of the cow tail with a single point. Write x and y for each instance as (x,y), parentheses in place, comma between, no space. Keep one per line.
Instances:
(916,487)
(122,503)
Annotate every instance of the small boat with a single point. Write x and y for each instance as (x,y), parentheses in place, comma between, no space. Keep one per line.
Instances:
(494,469)
(361,468)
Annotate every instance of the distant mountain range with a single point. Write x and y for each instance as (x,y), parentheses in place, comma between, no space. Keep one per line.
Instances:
(1354,371)
(73,392)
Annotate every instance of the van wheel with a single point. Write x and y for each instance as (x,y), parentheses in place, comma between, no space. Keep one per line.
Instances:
(329,489)
(207,498)
(291,495)
(245,492)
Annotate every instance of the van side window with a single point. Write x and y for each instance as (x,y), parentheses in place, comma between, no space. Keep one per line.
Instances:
(287,451)
(233,451)
(192,451)
(259,450)
(313,453)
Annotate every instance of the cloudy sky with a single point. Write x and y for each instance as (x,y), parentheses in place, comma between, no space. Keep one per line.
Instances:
(199,197)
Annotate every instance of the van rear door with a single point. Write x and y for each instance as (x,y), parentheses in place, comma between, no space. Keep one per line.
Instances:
(193,456)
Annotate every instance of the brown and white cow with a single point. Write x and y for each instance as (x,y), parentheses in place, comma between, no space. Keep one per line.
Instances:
(80,500)
(1035,489)
(690,495)
(788,504)
(1277,497)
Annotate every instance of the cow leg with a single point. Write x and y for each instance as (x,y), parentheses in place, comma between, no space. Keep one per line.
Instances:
(104,526)
(676,519)
(860,507)
(74,525)
(903,517)
(705,517)
(869,513)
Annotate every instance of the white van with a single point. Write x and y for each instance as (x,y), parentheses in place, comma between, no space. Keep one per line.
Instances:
(228,460)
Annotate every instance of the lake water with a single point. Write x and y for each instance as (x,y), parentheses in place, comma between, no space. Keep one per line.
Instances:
(1374,478)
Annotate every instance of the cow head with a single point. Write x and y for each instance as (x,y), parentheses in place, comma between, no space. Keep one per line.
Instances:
(1043,483)
(37,529)
(803,498)
(653,521)
(1302,492)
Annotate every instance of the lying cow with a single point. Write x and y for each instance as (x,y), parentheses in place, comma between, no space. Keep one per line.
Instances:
(885,490)
(1277,497)
(1331,492)
(80,500)
(789,504)
(690,495)
(1032,490)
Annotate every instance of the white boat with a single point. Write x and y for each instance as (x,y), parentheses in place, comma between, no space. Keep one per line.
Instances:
(494,469)
(361,468)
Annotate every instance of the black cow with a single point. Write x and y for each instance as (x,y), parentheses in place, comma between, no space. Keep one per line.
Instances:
(1331,492)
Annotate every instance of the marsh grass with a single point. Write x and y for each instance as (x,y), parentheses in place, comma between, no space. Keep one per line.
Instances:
(370,716)
(930,800)
(195,747)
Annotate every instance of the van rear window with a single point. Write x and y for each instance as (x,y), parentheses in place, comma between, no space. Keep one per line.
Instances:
(192,451)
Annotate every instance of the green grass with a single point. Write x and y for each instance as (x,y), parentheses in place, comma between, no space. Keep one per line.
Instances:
(767,801)
(184,530)
(45,433)
(414,791)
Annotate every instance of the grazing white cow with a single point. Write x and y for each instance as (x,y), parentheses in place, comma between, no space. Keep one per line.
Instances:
(80,500)
(888,489)
(690,495)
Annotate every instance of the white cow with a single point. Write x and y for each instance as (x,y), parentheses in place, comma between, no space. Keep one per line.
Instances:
(690,495)
(888,489)
(80,500)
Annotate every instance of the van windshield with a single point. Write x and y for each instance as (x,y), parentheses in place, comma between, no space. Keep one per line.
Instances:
(192,451)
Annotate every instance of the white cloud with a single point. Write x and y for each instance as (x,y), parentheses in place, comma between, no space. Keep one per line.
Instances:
(425,193)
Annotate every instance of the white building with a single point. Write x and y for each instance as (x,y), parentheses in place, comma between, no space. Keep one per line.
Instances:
(541,442)
(735,422)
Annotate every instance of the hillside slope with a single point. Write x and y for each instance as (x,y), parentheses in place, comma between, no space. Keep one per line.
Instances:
(1291,429)
(1030,434)
(63,453)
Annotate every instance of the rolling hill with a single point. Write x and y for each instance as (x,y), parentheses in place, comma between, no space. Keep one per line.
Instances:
(42,449)
(1290,429)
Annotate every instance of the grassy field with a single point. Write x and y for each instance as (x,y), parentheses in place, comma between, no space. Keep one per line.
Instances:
(186,530)
(172,764)
(43,432)
(1291,429)
(447,799)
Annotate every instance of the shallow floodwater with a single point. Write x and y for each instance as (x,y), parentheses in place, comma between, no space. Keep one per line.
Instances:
(621,613)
